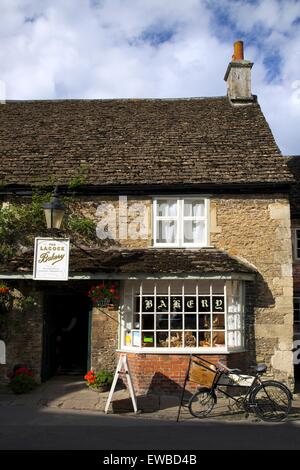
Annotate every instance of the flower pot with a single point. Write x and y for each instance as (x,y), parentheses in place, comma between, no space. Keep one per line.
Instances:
(100,389)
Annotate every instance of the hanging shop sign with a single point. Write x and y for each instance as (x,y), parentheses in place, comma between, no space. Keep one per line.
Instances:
(51,259)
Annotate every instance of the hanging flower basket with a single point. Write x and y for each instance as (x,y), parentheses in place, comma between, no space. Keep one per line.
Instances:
(6,298)
(105,294)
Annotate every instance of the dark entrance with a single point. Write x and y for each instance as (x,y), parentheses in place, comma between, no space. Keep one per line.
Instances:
(66,334)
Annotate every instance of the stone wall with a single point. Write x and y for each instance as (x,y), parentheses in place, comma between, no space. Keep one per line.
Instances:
(257,229)
(104,340)
(117,234)
(24,333)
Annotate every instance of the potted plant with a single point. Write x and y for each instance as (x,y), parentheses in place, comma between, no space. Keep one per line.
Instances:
(22,380)
(105,294)
(6,297)
(99,381)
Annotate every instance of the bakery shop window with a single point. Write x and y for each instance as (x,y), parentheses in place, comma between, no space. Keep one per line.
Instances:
(187,315)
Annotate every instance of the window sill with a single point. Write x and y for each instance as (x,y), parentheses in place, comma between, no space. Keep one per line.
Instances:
(186,247)
(169,351)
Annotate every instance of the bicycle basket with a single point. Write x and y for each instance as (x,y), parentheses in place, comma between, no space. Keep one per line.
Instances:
(202,375)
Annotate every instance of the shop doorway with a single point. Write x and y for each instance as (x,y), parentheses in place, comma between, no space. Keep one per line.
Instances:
(66,335)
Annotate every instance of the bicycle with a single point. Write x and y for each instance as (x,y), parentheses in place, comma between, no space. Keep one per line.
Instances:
(270,400)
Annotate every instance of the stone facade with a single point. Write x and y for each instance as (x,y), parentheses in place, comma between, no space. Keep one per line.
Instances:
(257,229)
(253,228)
(104,339)
(24,333)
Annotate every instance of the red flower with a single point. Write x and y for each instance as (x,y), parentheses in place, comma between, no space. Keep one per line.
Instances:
(25,371)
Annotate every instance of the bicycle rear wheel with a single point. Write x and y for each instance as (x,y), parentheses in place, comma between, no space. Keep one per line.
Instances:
(271,401)
(202,402)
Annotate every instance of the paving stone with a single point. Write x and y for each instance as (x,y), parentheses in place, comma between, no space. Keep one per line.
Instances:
(79,404)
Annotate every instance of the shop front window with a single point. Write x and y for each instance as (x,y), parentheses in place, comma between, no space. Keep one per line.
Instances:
(183,315)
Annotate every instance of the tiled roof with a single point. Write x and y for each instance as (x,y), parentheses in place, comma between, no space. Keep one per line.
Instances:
(294,166)
(137,142)
(151,261)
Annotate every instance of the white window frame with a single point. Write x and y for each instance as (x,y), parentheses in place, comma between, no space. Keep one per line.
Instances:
(297,334)
(180,218)
(295,244)
(138,348)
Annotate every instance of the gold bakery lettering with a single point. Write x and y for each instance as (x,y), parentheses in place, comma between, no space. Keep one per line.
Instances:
(48,257)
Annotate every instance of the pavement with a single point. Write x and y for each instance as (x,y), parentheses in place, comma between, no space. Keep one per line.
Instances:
(71,393)
(64,414)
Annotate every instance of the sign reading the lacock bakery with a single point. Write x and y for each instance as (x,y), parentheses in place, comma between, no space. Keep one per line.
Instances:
(51,259)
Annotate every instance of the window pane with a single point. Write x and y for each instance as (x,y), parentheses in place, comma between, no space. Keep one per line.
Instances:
(176,339)
(218,322)
(204,322)
(204,287)
(194,208)
(148,287)
(162,322)
(190,287)
(176,322)
(234,321)
(162,340)
(147,322)
(190,339)
(167,208)
(218,287)
(218,338)
(190,322)
(176,304)
(136,323)
(148,304)
(218,304)
(190,304)
(204,339)
(194,231)
(166,231)
(234,339)
(162,287)
(204,303)
(162,304)
(148,340)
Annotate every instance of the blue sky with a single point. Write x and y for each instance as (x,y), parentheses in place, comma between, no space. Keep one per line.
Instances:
(153,48)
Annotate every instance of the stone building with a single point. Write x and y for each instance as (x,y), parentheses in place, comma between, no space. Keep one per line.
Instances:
(190,201)
(294,166)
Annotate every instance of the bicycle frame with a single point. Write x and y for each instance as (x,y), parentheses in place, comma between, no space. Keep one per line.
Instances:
(249,390)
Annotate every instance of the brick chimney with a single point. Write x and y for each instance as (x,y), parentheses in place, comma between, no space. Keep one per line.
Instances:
(238,77)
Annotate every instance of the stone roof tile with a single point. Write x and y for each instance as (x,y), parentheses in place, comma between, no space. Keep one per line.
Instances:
(129,142)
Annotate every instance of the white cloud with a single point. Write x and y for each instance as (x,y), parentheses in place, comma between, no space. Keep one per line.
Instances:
(150,48)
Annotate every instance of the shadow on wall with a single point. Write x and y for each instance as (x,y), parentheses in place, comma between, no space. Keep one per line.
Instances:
(162,394)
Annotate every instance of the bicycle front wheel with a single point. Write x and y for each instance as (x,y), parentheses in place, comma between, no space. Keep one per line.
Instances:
(201,403)
(271,401)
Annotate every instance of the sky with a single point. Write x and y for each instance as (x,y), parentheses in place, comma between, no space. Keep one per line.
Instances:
(99,49)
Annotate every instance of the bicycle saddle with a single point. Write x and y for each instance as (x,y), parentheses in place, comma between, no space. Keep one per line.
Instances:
(261,368)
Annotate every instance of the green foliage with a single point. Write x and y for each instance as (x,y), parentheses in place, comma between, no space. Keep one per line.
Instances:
(103,378)
(82,226)
(22,383)
(19,223)
(27,303)
(79,178)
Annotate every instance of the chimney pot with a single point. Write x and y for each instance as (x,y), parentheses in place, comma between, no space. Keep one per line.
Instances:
(238,50)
